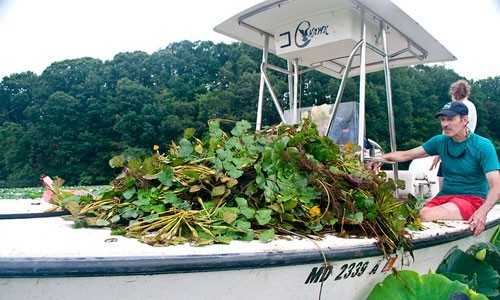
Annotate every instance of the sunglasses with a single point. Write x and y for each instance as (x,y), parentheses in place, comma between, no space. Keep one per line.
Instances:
(462,153)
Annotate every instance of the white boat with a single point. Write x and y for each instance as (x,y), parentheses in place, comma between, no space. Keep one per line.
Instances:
(43,257)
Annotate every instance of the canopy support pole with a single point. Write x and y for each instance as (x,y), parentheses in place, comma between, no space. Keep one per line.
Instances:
(390,110)
(362,84)
(291,91)
(258,123)
(295,91)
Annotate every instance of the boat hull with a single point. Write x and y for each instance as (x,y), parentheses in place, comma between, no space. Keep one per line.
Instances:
(46,257)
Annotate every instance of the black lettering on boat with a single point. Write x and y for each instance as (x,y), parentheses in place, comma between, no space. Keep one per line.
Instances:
(375,268)
(360,269)
(288,38)
(326,273)
(342,270)
(349,270)
(319,274)
(304,33)
(352,270)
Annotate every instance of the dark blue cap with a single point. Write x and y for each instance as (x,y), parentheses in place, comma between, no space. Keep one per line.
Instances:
(452,109)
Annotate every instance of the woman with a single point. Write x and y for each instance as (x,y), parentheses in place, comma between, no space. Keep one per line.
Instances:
(460,91)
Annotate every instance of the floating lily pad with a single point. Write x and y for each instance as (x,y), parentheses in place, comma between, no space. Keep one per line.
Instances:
(409,285)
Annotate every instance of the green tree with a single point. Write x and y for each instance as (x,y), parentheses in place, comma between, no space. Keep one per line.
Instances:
(16,168)
(54,129)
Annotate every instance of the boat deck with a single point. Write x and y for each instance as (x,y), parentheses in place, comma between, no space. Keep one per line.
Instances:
(56,237)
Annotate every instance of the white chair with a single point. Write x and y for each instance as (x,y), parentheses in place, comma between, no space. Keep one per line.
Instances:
(431,188)
(419,180)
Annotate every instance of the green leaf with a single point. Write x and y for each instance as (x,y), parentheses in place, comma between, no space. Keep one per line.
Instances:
(460,262)
(290,204)
(115,219)
(228,165)
(159,208)
(225,155)
(218,190)
(131,214)
(185,148)
(101,222)
(229,217)
(128,194)
(117,161)
(240,128)
(248,236)
(74,198)
(248,212)
(263,216)
(73,207)
(165,176)
(189,132)
(235,173)
(241,161)
(107,207)
(242,224)
(135,164)
(358,217)
(241,201)
(171,198)
(143,204)
(410,285)
(267,235)
(496,237)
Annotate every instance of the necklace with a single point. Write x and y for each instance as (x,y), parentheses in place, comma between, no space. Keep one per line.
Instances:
(463,151)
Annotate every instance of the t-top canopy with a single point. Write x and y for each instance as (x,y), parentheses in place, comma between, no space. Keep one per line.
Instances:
(322,33)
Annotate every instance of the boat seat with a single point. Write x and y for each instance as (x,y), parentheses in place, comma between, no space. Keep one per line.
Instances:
(423,165)
(414,182)
(419,180)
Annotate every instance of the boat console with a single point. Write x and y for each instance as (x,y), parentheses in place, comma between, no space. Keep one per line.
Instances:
(340,38)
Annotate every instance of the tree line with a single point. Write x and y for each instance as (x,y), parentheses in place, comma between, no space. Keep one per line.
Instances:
(70,120)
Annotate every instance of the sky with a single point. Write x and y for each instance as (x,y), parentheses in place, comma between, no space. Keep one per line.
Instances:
(36,33)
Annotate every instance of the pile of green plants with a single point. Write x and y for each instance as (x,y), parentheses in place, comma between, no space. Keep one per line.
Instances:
(246,185)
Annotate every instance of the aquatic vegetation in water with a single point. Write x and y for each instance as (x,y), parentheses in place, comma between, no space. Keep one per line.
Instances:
(473,274)
(21,193)
(409,285)
(478,267)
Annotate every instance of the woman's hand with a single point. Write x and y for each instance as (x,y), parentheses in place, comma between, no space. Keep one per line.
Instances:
(435,162)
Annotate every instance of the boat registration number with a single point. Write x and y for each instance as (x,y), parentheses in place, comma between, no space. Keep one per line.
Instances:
(349,270)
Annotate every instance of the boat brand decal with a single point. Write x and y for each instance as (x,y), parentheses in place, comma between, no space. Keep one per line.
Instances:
(304,33)
(348,270)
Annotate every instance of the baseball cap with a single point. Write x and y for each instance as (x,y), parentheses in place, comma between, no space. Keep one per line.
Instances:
(452,109)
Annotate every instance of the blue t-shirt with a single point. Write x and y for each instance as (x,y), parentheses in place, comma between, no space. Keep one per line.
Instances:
(464,164)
